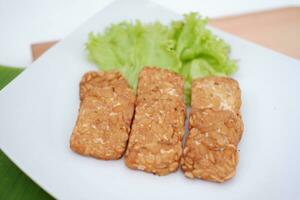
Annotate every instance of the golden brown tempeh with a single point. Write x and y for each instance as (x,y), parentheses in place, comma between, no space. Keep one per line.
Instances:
(219,93)
(105,115)
(158,126)
(210,152)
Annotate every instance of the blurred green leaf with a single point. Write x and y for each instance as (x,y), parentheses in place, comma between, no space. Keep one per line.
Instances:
(14,184)
(7,74)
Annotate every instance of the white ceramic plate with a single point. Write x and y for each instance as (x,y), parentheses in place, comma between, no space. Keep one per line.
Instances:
(38,111)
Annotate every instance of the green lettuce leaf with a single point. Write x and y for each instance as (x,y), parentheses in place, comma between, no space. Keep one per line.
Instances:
(201,53)
(129,47)
(185,46)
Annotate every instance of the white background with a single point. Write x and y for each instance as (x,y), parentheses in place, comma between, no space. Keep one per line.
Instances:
(23,22)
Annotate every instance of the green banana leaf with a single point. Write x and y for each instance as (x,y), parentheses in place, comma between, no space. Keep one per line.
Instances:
(14,184)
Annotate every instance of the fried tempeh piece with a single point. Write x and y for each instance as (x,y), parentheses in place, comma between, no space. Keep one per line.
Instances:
(155,143)
(210,151)
(219,93)
(105,115)
(216,128)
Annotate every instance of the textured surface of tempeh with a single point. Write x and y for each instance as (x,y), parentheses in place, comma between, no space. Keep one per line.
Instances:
(105,115)
(155,143)
(216,127)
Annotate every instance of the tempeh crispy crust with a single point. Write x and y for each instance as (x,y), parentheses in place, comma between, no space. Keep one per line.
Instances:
(155,143)
(105,115)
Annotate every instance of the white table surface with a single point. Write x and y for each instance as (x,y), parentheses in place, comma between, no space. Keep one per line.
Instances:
(27,21)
